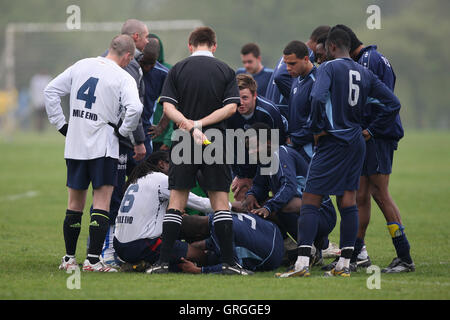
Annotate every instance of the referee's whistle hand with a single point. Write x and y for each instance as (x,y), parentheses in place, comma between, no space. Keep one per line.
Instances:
(199,136)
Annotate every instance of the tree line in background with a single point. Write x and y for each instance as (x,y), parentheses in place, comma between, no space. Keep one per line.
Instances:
(413,36)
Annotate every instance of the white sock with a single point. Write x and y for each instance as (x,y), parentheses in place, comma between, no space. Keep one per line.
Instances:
(302,261)
(342,263)
(363,254)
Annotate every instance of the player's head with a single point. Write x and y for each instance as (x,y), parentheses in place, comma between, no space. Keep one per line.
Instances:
(154,37)
(320,53)
(317,33)
(138,31)
(355,43)
(149,55)
(337,43)
(251,57)
(194,228)
(122,49)
(296,57)
(247,92)
(202,36)
(158,161)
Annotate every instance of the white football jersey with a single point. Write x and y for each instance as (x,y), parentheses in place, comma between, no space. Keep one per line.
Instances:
(144,205)
(100,91)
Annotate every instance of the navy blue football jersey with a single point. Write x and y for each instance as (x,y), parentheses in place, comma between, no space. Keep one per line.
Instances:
(339,95)
(370,58)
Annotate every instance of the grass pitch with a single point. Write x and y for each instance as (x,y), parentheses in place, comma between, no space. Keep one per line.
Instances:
(33,199)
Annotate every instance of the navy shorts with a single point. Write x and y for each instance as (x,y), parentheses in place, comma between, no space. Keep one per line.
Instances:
(100,171)
(148,250)
(379,157)
(335,166)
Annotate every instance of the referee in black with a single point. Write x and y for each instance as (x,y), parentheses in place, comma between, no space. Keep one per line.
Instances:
(200,92)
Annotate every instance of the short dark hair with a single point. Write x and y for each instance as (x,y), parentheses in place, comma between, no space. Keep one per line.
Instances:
(202,36)
(252,48)
(194,228)
(354,41)
(322,39)
(296,47)
(318,32)
(246,81)
(340,38)
(150,53)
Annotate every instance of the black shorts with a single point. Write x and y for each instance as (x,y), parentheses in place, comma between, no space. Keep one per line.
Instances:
(184,176)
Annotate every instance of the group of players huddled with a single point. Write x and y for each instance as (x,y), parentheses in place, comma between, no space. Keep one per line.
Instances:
(330,102)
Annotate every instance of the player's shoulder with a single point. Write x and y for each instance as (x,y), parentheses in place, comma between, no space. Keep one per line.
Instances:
(155,178)
(266,104)
(372,56)
(240,70)
(161,68)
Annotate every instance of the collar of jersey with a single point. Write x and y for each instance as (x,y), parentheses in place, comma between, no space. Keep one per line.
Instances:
(202,53)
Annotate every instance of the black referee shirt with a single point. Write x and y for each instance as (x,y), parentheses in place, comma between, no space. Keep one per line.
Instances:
(199,85)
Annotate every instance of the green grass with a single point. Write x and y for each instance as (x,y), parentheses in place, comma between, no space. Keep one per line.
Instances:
(33,199)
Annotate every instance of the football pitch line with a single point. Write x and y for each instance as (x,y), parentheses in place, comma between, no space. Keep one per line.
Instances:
(427,283)
(15,197)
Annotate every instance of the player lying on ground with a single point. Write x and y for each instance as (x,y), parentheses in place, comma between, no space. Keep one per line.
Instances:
(258,243)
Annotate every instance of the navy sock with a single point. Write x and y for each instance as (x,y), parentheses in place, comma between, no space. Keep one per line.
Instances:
(308,224)
(349,226)
(223,227)
(359,244)
(71,230)
(171,230)
(400,241)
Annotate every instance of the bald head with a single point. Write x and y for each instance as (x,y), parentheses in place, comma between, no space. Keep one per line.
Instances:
(137,30)
(121,45)
(132,26)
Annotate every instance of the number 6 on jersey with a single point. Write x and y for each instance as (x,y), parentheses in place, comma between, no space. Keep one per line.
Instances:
(353,98)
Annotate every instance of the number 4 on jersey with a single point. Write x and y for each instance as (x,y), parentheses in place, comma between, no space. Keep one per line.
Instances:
(86,92)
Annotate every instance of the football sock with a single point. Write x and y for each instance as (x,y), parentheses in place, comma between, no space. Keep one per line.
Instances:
(97,232)
(400,241)
(223,226)
(93,258)
(304,253)
(359,244)
(71,230)
(170,232)
(308,224)
(349,226)
(344,259)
